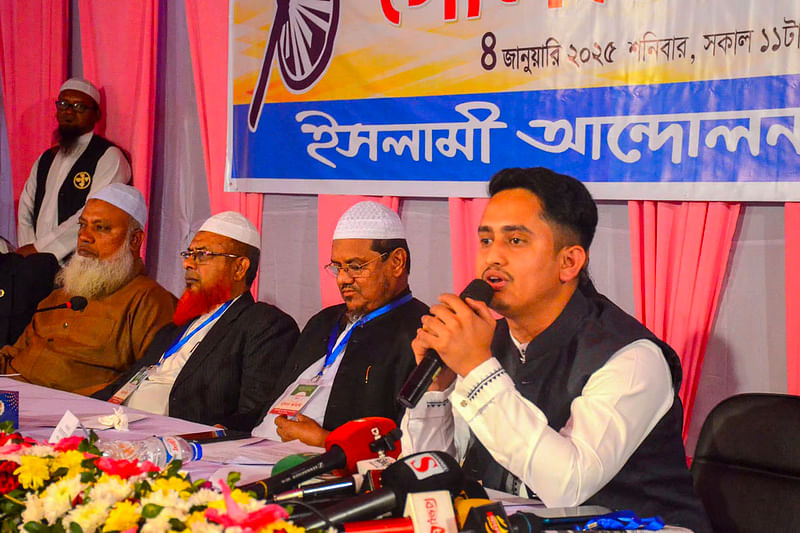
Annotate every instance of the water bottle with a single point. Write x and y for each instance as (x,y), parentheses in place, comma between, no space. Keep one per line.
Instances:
(157,450)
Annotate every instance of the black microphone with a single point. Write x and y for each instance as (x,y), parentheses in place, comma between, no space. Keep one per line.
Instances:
(76,303)
(345,445)
(427,369)
(343,486)
(420,472)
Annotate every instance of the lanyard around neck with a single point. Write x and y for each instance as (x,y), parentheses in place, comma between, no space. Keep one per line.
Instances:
(335,349)
(180,342)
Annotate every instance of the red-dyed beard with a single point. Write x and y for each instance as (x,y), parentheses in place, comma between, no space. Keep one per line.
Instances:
(195,303)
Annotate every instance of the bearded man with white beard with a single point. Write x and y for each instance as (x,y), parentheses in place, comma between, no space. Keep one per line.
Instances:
(84,351)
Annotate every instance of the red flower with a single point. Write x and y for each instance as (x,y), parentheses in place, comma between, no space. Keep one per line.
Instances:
(124,468)
(8,481)
(68,443)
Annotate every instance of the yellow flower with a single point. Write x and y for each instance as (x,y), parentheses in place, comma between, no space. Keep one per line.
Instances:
(33,471)
(177,484)
(281,525)
(242,498)
(124,515)
(197,516)
(71,460)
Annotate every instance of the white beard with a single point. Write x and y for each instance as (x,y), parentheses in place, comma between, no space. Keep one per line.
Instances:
(95,278)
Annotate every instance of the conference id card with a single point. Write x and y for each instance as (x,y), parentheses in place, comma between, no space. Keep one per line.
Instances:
(293,403)
(126,390)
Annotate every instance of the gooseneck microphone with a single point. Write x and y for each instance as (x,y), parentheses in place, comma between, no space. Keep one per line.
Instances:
(427,369)
(420,472)
(346,445)
(76,303)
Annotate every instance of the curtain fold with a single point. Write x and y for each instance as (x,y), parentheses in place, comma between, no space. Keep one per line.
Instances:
(792,267)
(465,215)
(119,48)
(680,255)
(329,208)
(208,42)
(34,43)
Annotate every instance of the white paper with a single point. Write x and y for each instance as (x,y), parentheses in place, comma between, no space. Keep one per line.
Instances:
(262,452)
(65,427)
(93,421)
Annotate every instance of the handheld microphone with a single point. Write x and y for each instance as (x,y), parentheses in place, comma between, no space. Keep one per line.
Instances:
(421,472)
(76,303)
(345,446)
(427,369)
(343,486)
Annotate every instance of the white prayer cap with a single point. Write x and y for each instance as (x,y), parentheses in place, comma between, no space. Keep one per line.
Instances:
(125,197)
(369,220)
(235,226)
(82,86)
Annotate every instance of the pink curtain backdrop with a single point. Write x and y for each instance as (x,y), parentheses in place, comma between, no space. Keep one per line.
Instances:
(680,254)
(33,62)
(465,215)
(792,267)
(329,209)
(118,42)
(208,41)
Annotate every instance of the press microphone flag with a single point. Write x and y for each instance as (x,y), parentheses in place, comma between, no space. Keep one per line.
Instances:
(422,376)
(76,303)
(345,446)
(421,472)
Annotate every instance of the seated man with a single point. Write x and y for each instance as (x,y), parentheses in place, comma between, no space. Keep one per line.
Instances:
(352,358)
(220,359)
(85,351)
(567,398)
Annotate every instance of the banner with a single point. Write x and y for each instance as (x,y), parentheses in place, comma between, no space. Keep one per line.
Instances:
(652,99)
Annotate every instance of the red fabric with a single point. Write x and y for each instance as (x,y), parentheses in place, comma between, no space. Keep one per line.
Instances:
(792,262)
(329,209)
(33,64)
(118,43)
(208,41)
(465,215)
(680,255)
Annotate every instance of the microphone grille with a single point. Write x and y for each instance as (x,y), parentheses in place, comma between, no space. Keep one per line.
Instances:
(77,303)
(479,290)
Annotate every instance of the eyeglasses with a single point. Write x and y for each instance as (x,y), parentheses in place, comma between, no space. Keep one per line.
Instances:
(78,107)
(354,270)
(203,256)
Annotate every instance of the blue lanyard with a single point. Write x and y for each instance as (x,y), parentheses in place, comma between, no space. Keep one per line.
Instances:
(335,351)
(179,343)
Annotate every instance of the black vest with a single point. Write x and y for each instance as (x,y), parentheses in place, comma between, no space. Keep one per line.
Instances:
(559,362)
(75,188)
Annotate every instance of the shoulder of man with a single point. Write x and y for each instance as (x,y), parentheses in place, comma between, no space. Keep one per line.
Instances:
(150,288)
(262,314)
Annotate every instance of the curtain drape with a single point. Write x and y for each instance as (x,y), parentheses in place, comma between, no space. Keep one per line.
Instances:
(465,214)
(34,45)
(680,255)
(792,267)
(329,208)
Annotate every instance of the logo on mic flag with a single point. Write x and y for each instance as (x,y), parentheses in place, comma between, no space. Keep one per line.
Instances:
(425,465)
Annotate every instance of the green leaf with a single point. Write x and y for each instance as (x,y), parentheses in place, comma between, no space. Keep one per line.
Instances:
(173,468)
(7,427)
(60,472)
(151,510)
(75,528)
(35,527)
(176,524)
(233,479)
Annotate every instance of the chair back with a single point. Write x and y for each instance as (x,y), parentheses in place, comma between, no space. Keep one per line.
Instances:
(746,467)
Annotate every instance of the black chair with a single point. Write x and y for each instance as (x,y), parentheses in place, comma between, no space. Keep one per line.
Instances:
(746,466)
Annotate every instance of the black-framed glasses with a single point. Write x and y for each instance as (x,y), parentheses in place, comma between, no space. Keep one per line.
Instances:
(202,256)
(78,107)
(354,270)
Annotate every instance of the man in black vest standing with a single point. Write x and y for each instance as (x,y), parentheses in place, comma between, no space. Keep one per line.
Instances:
(567,398)
(64,175)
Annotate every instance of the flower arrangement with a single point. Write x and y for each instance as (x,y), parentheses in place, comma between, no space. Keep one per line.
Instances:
(69,487)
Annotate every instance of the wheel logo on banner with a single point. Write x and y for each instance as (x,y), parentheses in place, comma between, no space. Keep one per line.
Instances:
(303,33)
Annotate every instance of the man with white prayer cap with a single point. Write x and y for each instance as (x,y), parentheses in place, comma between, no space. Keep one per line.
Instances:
(64,176)
(218,361)
(84,350)
(352,359)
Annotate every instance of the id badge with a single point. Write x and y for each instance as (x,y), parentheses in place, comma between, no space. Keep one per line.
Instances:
(126,390)
(293,403)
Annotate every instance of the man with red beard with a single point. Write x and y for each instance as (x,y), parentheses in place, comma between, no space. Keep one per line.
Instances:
(218,362)
(85,351)
(65,175)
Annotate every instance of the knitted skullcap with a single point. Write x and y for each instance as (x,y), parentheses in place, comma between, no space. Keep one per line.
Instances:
(125,197)
(82,86)
(369,220)
(233,225)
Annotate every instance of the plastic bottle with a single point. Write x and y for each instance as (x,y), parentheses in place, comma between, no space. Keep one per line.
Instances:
(157,450)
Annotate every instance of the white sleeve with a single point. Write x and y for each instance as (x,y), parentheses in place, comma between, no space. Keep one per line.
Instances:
(112,167)
(26,233)
(618,407)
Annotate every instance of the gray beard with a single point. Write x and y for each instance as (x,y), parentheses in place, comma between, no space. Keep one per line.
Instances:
(95,278)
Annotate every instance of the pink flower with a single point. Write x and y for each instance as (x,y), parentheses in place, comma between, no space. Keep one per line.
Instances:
(68,443)
(238,517)
(124,468)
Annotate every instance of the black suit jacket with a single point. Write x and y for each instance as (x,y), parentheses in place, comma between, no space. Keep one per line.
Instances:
(375,364)
(231,374)
(24,282)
